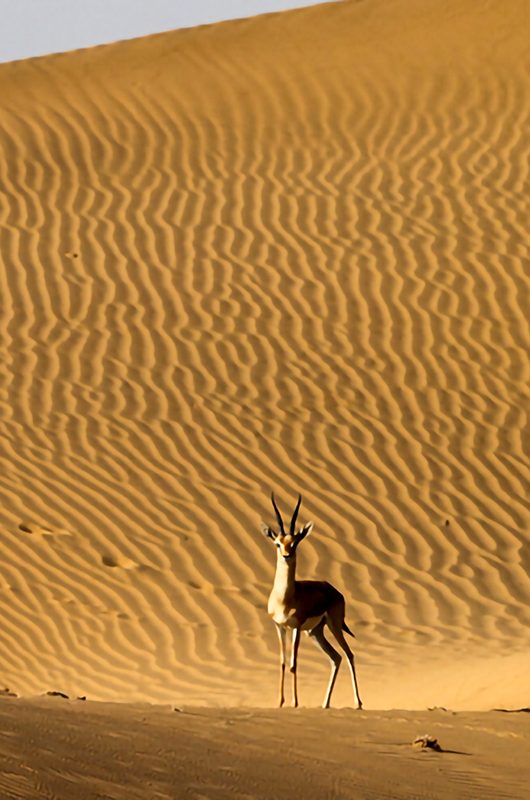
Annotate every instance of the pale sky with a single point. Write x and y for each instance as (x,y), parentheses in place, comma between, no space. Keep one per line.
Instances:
(36,27)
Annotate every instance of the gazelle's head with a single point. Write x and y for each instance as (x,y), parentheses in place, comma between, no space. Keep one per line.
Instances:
(286,542)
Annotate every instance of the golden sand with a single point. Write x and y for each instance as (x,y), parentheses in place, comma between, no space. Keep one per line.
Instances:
(281,253)
(65,749)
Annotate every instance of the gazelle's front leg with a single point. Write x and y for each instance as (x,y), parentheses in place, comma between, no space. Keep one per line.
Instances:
(294,659)
(281,636)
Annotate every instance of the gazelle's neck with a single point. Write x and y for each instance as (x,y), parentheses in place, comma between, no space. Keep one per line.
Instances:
(285,576)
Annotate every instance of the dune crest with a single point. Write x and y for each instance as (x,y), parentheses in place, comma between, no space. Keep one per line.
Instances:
(286,252)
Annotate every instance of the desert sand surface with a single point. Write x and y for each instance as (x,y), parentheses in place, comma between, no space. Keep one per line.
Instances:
(289,253)
(62,749)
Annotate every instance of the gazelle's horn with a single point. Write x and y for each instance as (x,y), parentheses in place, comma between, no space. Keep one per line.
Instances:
(278,515)
(295,514)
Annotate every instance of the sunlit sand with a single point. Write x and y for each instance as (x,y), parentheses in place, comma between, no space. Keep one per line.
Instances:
(285,253)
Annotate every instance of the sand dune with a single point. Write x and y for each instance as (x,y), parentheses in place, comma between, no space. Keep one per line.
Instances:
(288,252)
(140,751)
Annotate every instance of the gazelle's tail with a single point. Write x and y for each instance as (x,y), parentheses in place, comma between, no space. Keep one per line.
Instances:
(345,628)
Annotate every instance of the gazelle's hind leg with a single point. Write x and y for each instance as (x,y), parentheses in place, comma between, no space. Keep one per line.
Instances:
(317,635)
(335,621)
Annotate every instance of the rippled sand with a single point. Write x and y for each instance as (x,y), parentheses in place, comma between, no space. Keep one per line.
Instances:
(285,253)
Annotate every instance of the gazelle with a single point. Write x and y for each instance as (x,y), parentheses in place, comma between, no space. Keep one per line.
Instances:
(305,606)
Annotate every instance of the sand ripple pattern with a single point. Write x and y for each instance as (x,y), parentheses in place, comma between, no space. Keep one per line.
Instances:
(289,252)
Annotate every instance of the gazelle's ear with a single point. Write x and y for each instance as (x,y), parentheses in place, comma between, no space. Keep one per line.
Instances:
(305,531)
(266,531)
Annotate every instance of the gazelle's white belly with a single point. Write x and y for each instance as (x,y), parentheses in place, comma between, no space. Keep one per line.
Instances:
(287,617)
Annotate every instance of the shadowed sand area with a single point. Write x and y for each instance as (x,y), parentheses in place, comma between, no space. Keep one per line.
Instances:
(288,253)
(53,748)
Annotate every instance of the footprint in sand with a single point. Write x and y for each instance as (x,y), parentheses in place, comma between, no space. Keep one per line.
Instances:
(118,563)
(42,530)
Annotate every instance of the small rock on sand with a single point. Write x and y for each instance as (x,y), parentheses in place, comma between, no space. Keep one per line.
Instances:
(426,741)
